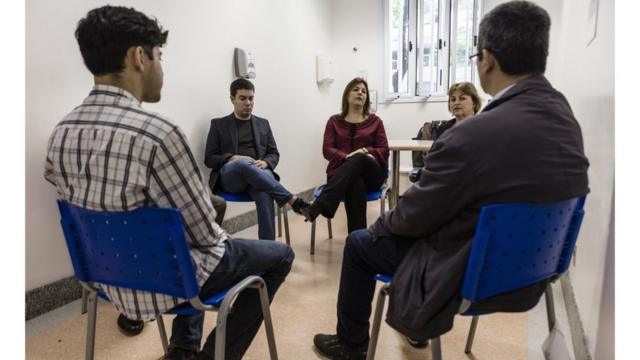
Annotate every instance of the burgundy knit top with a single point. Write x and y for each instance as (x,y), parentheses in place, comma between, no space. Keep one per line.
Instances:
(342,137)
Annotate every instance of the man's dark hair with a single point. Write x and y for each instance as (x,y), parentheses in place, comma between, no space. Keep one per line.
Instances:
(240,84)
(106,33)
(517,33)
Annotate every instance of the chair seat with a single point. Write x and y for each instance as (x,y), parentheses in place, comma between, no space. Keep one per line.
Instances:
(372,196)
(245,197)
(215,300)
(241,197)
(187,309)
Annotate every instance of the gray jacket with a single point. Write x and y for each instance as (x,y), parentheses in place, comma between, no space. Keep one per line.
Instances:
(523,147)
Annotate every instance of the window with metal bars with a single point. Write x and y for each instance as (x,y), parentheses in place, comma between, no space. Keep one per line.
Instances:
(427,46)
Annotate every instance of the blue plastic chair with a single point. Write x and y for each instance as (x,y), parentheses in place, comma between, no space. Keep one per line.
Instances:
(514,245)
(146,249)
(380,194)
(244,197)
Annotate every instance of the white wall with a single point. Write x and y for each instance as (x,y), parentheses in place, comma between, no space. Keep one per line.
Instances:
(285,36)
(586,76)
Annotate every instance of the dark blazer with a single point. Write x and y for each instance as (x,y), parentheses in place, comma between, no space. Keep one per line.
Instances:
(525,146)
(222,144)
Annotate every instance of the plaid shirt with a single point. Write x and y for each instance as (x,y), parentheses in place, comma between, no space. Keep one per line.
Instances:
(109,154)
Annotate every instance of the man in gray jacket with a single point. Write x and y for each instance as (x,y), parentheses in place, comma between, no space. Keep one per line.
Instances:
(525,146)
(242,154)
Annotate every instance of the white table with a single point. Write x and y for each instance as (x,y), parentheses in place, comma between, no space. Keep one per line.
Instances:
(395,146)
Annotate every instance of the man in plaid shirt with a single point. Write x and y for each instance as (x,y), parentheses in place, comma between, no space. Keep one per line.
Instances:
(110,154)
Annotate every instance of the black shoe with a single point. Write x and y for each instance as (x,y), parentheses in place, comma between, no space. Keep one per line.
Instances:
(130,327)
(298,205)
(333,348)
(418,344)
(310,212)
(179,354)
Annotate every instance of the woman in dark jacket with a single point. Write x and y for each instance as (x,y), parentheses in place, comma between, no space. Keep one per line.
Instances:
(355,144)
(464,102)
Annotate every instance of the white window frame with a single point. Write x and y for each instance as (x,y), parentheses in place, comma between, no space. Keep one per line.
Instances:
(446,63)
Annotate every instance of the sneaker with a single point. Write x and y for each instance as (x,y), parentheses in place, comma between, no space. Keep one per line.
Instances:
(179,354)
(298,205)
(418,344)
(333,348)
(130,327)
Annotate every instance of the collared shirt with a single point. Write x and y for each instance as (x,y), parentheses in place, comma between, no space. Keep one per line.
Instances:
(502,92)
(110,154)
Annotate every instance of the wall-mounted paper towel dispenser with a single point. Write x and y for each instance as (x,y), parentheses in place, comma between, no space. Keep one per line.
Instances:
(244,64)
(324,71)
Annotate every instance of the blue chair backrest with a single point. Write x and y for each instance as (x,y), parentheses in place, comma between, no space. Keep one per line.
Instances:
(516,245)
(144,249)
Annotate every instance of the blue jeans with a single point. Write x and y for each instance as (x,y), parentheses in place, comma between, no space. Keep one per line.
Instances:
(362,260)
(241,259)
(241,176)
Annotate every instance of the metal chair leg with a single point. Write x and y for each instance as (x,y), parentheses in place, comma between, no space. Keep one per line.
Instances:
(313,237)
(85,295)
(163,334)
(551,313)
(268,324)
(329,228)
(286,225)
(436,350)
(221,333)
(225,308)
(472,334)
(91,325)
(377,319)
(279,212)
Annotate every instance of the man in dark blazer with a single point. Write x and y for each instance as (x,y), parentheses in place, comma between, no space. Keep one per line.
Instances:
(243,155)
(526,146)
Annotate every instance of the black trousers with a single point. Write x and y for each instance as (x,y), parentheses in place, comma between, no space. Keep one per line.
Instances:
(357,176)
(361,260)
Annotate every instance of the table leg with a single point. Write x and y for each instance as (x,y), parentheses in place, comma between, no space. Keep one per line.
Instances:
(395,178)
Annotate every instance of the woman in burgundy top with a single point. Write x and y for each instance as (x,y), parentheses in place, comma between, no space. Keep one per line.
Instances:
(355,144)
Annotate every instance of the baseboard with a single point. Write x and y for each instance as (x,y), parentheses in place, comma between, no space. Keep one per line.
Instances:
(58,293)
(578,336)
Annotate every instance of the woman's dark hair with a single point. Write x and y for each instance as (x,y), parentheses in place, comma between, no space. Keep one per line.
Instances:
(517,33)
(345,97)
(240,84)
(106,33)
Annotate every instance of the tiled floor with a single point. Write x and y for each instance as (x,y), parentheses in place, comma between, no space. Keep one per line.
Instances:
(304,306)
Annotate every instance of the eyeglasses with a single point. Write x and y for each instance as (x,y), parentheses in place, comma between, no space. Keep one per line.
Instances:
(479,54)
